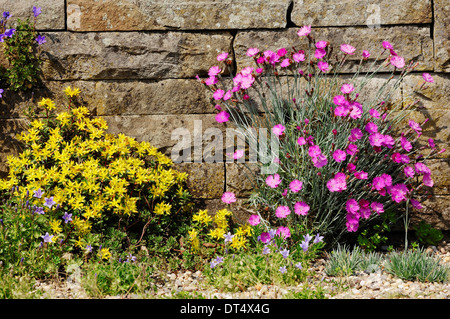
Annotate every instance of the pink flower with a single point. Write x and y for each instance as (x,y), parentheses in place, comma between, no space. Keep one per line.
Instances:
(296,185)
(371,128)
(415,126)
(314,150)
(238,154)
(252,52)
(339,100)
(397,61)
(227,96)
(228,197)
(341,111)
(374,113)
(278,129)
(398,192)
(352,206)
(364,208)
(387,179)
(282,211)
(404,159)
(259,70)
(254,220)
(299,56)
(301,141)
(211,81)
(376,139)
(265,237)
(351,149)
(409,171)
(283,232)
(214,70)
(355,134)
(222,57)
(431,143)
(222,117)
(319,160)
(388,141)
(320,53)
(285,63)
(347,49)
(352,225)
(377,207)
(339,155)
(304,31)
(301,208)
(321,44)
(361,175)
(427,77)
(271,57)
(396,157)
(365,54)
(351,167)
(347,88)
(416,204)
(378,183)
(281,52)
(218,94)
(273,180)
(323,66)
(387,45)
(337,183)
(427,181)
(356,110)
(421,168)
(406,145)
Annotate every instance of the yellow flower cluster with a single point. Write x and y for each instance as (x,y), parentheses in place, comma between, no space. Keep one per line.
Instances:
(90,173)
(217,227)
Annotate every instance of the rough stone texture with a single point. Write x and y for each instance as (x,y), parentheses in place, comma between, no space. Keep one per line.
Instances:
(130,55)
(352,13)
(436,212)
(440,176)
(240,178)
(431,95)
(88,15)
(159,129)
(205,180)
(411,42)
(52,15)
(441,35)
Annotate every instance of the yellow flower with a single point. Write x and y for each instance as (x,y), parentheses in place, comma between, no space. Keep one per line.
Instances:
(238,242)
(162,208)
(104,253)
(70,92)
(47,103)
(55,225)
(217,233)
(202,217)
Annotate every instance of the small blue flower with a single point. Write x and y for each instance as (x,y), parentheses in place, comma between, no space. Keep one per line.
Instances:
(36,11)
(283,269)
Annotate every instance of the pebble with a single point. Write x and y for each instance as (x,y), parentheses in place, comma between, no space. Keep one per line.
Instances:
(362,285)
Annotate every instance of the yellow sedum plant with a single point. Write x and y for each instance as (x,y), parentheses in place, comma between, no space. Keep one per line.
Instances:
(82,179)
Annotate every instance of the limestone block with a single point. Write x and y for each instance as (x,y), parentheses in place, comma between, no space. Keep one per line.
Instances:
(241,178)
(436,212)
(52,16)
(431,95)
(130,55)
(441,37)
(205,180)
(356,13)
(108,15)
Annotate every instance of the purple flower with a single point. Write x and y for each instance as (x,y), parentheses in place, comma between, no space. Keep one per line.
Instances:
(283,269)
(304,245)
(49,202)
(9,32)
(39,210)
(36,11)
(47,238)
(1,91)
(40,39)
(67,217)
(317,239)
(38,193)
(266,250)
(284,253)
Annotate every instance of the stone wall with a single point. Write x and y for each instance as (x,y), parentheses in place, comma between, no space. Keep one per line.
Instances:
(136,61)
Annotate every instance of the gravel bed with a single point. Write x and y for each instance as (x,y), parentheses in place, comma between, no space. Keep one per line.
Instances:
(362,285)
